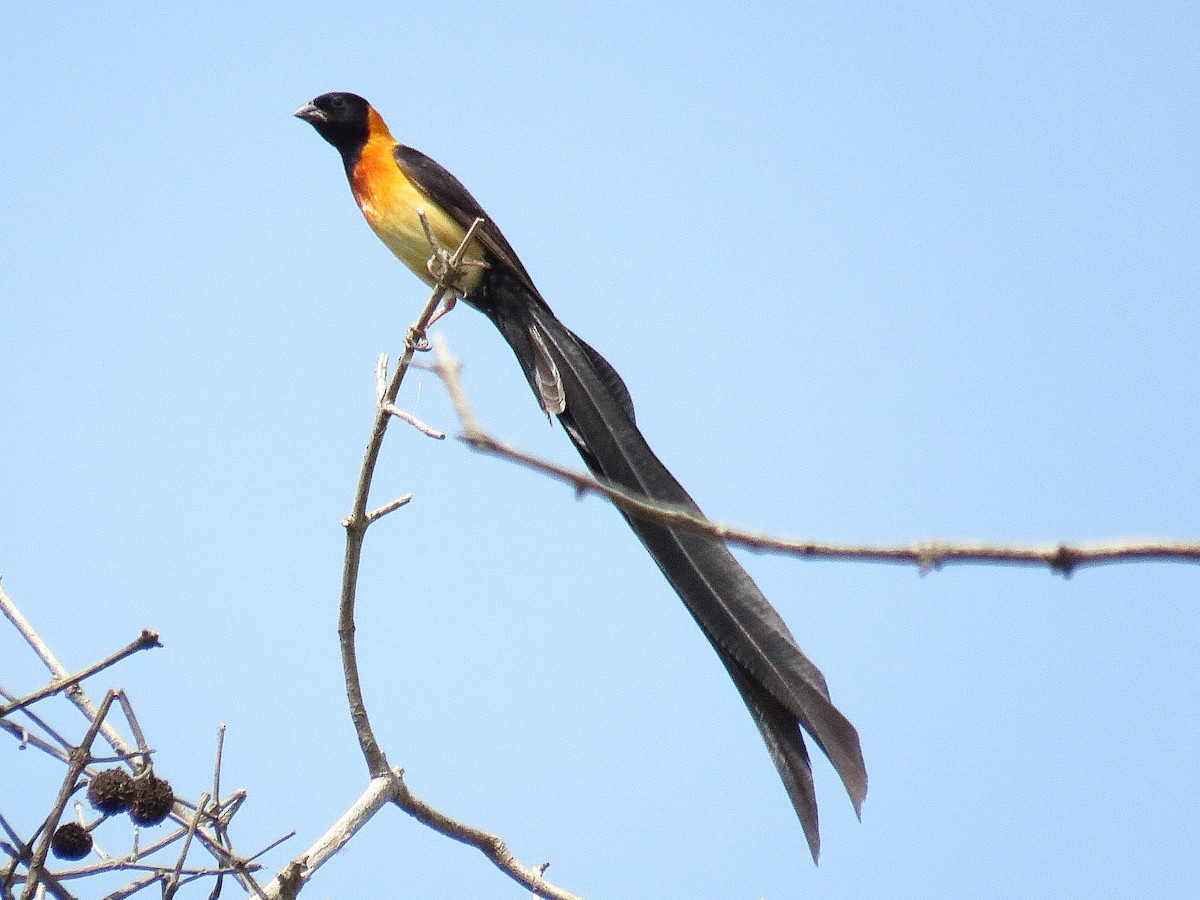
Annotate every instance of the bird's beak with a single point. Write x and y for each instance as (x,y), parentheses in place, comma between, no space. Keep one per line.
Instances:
(311,114)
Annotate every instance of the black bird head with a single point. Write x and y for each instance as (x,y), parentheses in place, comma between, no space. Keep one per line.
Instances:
(341,118)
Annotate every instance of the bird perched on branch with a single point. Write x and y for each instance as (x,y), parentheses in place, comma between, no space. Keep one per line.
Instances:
(784,691)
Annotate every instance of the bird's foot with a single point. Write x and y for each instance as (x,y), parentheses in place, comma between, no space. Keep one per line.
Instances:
(415,340)
(448,304)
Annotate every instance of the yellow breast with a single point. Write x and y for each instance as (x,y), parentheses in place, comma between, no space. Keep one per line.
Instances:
(389,202)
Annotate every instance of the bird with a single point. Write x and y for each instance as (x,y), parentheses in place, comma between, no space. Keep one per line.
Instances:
(785,692)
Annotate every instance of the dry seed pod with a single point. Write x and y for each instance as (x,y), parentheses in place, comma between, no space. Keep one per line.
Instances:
(152,800)
(111,791)
(71,841)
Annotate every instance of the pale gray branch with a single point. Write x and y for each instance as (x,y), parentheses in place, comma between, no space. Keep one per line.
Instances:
(925,555)
(387,784)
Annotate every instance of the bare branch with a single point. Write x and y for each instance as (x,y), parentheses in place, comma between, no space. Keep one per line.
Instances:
(388,507)
(391,788)
(144,641)
(26,738)
(171,882)
(387,784)
(219,756)
(381,377)
(359,519)
(79,760)
(416,423)
(357,522)
(927,556)
(288,883)
(58,670)
(530,877)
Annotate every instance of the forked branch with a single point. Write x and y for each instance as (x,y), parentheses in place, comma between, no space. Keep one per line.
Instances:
(387,784)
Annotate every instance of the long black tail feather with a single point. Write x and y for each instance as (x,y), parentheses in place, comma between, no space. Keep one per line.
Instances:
(783,690)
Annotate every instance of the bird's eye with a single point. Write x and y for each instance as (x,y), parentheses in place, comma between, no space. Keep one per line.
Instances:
(338,102)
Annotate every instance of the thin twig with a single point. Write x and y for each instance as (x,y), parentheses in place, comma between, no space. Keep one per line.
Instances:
(133,887)
(64,745)
(530,877)
(102,722)
(390,506)
(76,694)
(218,819)
(391,788)
(171,883)
(28,738)
(139,736)
(387,785)
(144,641)
(427,430)
(1063,559)
(282,839)
(357,522)
(79,760)
(379,791)
(16,853)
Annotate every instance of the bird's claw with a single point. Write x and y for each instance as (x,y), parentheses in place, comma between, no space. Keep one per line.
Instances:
(416,341)
(447,272)
(450,301)
(440,268)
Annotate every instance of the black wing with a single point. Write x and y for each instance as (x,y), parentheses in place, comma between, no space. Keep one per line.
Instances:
(452,196)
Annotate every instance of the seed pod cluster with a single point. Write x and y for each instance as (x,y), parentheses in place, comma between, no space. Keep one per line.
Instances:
(147,798)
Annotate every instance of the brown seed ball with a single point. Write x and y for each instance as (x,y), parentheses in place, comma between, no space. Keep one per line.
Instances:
(152,800)
(71,841)
(111,791)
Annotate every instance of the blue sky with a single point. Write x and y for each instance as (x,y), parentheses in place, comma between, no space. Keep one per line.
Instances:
(872,273)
